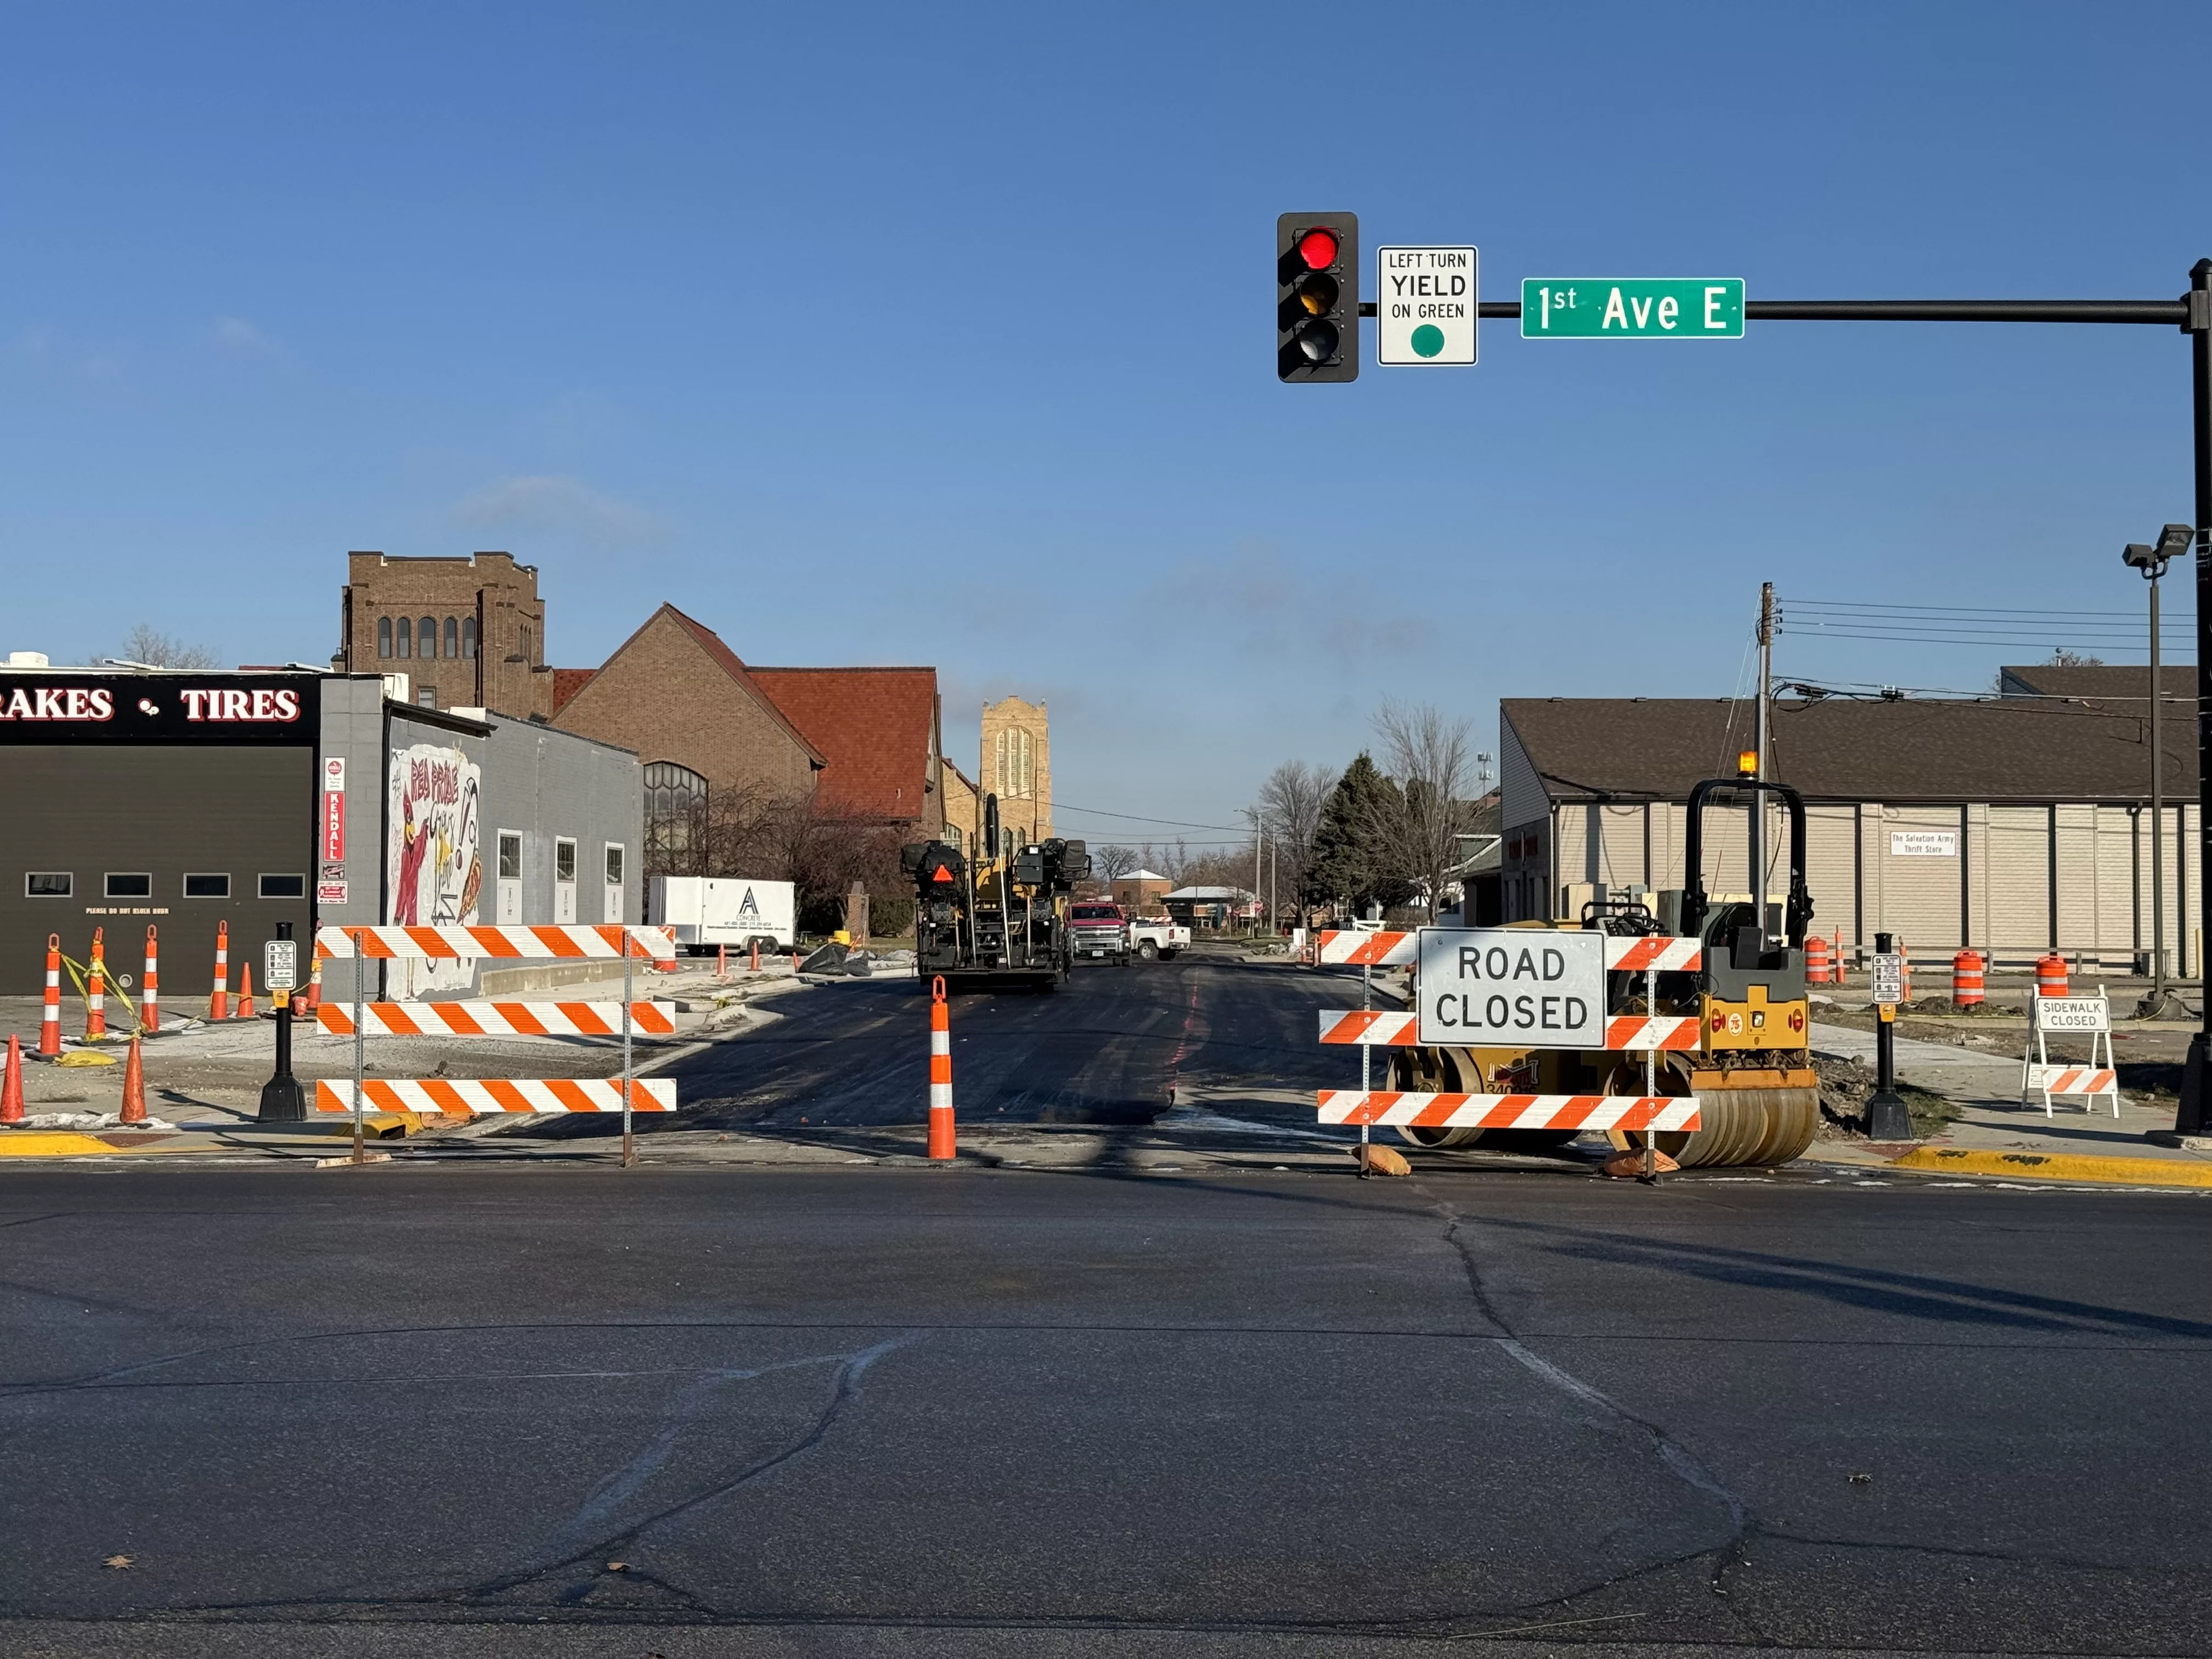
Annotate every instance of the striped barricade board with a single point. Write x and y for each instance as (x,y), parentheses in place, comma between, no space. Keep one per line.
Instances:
(457,1097)
(2091,1082)
(454,942)
(1372,1028)
(1623,954)
(1455,1111)
(1382,1028)
(498,1018)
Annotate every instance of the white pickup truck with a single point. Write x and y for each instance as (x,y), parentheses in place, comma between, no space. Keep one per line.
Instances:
(1153,940)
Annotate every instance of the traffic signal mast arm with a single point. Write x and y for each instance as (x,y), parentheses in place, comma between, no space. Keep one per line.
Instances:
(2169,313)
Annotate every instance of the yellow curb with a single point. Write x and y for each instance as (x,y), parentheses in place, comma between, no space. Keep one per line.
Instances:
(2057,1166)
(57,1143)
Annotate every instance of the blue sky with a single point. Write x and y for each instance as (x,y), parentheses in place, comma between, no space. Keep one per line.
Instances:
(872,334)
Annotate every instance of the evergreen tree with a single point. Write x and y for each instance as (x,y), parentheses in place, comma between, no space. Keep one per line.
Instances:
(1350,861)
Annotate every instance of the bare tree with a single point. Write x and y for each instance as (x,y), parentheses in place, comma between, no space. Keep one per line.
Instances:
(147,644)
(1113,861)
(1289,811)
(1426,754)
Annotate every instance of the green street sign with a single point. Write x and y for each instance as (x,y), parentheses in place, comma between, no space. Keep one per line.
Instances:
(1632,308)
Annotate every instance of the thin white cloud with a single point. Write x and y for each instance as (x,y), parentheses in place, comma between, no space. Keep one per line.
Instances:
(236,335)
(557,503)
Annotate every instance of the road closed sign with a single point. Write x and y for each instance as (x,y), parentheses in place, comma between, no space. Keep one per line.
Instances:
(1511,988)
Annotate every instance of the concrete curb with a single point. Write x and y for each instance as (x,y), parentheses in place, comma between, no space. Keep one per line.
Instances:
(2059,1166)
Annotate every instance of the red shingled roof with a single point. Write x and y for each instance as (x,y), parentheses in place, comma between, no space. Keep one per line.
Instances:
(567,682)
(874,726)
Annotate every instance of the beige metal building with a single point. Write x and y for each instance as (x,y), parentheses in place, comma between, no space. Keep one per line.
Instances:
(2015,825)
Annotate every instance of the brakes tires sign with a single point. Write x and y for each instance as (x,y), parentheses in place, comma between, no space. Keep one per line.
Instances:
(1518,987)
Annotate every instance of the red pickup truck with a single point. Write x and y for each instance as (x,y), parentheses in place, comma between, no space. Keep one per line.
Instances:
(1096,929)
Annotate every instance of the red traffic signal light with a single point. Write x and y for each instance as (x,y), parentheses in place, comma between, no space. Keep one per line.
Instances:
(1317,296)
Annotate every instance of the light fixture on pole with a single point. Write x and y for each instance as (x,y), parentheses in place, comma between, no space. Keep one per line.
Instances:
(2152,560)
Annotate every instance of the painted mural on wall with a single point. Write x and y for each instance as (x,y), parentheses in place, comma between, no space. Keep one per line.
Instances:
(432,873)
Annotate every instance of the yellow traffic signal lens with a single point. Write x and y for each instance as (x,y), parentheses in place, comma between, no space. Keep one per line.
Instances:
(1317,295)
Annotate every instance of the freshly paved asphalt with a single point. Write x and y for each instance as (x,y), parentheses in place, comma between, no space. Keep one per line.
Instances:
(1106,1048)
(421,1410)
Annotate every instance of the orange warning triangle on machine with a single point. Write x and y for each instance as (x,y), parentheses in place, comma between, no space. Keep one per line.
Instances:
(943,874)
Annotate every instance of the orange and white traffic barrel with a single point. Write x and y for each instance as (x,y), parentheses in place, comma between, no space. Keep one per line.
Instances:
(1816,960)
(95,996)
(314,985)
(50,1017)
(149,999)
(219,1003)
(2051,974)
(940,1073)
(1967,978)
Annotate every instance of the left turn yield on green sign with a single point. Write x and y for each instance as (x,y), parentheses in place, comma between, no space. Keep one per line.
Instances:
(1632,308)
(1424,306)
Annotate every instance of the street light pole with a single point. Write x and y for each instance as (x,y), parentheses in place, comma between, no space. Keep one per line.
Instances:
(2197,1070)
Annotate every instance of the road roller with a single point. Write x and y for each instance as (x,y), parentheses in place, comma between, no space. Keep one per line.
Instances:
(1749,1060)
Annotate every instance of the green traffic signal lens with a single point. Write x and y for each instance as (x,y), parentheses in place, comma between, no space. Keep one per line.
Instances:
(1317,341)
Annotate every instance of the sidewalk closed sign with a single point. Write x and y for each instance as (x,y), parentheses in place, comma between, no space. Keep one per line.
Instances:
(2072,1013)
(1501,987)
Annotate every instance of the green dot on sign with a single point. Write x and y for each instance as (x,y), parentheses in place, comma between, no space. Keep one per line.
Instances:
(1428,339)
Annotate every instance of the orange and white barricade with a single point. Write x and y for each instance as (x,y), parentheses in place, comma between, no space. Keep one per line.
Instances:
(1395,1029)
(1359,948)
(2096,1079)
(1408,1109)
(360,1018)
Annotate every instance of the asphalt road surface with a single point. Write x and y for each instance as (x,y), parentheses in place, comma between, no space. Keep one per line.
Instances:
(567,1409)
(1106,1048)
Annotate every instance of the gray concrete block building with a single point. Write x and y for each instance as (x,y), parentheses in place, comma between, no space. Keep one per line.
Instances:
(2017,824)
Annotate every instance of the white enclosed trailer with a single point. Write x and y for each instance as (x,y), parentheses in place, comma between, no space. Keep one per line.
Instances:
(703,912)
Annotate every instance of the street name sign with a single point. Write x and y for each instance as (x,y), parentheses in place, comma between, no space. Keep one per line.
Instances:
(1632,308)
(1425,305)
(2072,1014)
(1887,968)
(1499,986)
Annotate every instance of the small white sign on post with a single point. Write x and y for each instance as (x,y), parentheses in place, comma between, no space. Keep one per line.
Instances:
(280,964)
(1425,305)
(1510,987)
(1886,969)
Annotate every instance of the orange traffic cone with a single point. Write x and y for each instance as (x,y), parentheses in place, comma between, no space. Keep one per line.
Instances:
(134,1086)
(11,1090)
(246,990)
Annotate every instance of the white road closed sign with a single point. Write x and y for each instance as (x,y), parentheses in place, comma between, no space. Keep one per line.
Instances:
(1511,988)
(1425,301)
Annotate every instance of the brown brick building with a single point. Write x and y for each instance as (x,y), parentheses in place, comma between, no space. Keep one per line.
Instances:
(863,743)
(467,632)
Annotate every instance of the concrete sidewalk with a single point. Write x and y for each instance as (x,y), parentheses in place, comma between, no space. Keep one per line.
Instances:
(1986,1091)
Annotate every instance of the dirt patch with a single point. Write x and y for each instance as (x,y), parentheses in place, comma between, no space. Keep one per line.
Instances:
(1846,1085)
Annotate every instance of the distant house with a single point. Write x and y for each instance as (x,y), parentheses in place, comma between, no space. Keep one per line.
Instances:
(1140,891)
(1206,908)
(2015,825)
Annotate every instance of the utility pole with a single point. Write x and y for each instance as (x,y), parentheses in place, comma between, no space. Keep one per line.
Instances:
(1759,797)
(2156,1001)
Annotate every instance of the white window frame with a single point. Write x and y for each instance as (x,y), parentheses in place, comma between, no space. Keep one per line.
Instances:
(261,883)
(568,842)
(185,887)
(107,882)
(68,892)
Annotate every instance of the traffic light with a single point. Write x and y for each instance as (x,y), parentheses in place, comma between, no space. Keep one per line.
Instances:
(1317,296)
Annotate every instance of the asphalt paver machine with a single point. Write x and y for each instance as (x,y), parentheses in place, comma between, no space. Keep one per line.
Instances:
(998,918)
